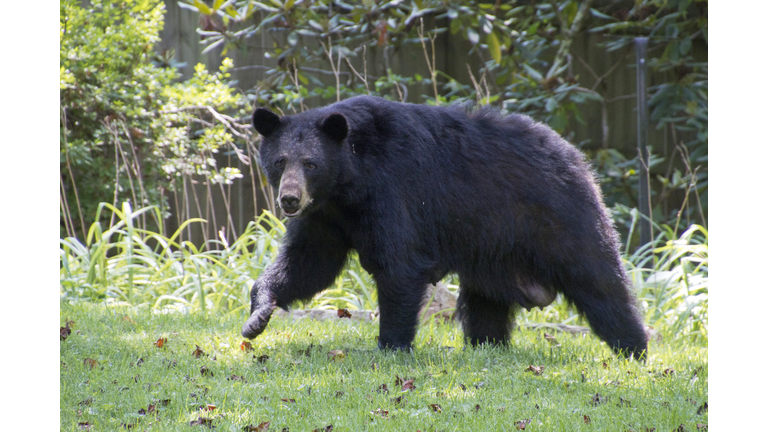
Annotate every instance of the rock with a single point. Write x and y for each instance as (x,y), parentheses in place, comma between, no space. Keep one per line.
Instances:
(442,305)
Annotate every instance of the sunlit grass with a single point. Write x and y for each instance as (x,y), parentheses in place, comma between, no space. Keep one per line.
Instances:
(476,389)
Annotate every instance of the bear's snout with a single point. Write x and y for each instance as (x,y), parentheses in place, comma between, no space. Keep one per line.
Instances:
(290,204)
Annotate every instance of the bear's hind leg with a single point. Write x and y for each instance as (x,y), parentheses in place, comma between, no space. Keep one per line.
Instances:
(484,320)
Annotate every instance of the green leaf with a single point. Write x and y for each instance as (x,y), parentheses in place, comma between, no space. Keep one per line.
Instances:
(494,47)
(455,26)
(202,7)
(570,12)
(218,4)
(474,38)
(685,46)
(264,7)
(551,104)
(293,39)
(597,14)
(533,73)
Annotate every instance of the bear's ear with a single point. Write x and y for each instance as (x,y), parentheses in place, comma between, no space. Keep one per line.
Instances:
(335,126)
(265,121)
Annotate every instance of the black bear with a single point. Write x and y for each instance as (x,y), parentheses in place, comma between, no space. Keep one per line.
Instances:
(419,191)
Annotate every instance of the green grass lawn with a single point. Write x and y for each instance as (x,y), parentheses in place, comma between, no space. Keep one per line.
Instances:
(113,376)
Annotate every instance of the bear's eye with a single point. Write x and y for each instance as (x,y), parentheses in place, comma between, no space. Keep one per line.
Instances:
(309,165)
(280,163)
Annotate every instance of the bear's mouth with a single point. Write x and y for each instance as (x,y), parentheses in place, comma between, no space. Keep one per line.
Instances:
(294,214)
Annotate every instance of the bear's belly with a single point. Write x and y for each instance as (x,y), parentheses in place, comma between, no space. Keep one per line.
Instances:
(535,295)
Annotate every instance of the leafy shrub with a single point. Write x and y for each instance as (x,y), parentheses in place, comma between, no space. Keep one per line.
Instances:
(148,269)
(127,128)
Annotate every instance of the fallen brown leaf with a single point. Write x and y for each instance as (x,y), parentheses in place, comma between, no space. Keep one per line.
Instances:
(65,331)
(398,381)
(520,424)
(537,370)
(201,421)
(344,313)
(703,408)
(236,378)
(90,362)
(551,339)
(336,355)
(246,346)
(288,400)
(408,385)
(587,420)
(198,352)
(436,408)
(261,427)
(205,371)
(380,412)
(477,408)
(382,389)
(210,407)
(161,342)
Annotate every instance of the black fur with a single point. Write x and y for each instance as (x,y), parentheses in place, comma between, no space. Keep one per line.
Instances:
(420,191)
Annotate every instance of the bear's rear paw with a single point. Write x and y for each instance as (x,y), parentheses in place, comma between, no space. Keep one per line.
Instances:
(394,347)
(257,322)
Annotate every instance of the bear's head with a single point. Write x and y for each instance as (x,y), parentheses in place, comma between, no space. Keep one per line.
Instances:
(300,155)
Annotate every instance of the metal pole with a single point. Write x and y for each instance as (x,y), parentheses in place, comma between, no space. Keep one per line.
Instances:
(641,45)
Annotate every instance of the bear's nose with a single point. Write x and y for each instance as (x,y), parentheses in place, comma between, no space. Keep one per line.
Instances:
(289,203)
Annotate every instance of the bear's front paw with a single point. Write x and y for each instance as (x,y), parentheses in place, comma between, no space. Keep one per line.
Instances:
(257,322)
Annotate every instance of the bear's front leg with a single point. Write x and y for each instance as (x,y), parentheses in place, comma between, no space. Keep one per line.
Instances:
(263,303)
(399,305)
(311,257)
